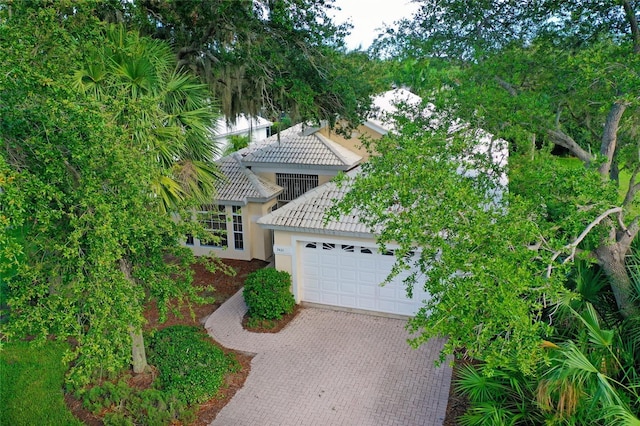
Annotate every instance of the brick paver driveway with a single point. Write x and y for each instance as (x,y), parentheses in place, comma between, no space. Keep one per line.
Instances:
(332,368)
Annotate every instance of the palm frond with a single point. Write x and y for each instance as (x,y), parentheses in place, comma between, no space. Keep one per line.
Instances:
(488,413)
(599,337)
(620,415)
(479,387)
(169,192)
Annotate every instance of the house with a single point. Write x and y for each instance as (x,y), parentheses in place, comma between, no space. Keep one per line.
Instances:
(256,128)
(273,204)
(261,178)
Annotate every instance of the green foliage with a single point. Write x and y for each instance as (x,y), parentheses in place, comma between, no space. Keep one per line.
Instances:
(190,365)
(93,244)
(267,293)
(31,384)
(236,143)
(502,396)
(123,405)
(260,323)
(263,57)
(191,370)
(551,78)
(167,111)
(487,288)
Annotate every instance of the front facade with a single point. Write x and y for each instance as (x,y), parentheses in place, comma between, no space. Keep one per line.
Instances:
(258,180)
(243,197)
(273,203)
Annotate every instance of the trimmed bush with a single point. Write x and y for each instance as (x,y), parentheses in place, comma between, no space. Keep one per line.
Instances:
(267,293)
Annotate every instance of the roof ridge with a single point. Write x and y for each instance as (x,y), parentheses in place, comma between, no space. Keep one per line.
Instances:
(253,179)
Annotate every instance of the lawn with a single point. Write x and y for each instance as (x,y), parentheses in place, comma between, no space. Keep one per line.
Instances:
(31,385)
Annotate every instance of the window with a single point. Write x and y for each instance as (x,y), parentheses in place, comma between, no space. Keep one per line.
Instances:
(238,238)
(189,240)
(213,218)
(294,185)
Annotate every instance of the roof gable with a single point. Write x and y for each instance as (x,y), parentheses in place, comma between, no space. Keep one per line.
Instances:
(242,185)
(307,212)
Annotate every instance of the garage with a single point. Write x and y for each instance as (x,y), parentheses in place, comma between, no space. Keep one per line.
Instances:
(349,276)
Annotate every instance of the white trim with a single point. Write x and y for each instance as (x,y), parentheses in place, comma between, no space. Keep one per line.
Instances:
(376,128)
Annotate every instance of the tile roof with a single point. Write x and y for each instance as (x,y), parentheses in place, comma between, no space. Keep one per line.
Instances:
(306,213)
(300,147)
(241,185)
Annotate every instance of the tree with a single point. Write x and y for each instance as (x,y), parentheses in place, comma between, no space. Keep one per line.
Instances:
(94,243)
(260,57)
(167,110)
(540,75)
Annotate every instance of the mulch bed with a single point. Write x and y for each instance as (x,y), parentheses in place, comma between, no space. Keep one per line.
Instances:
(276,326)
(457,404)
(226,286)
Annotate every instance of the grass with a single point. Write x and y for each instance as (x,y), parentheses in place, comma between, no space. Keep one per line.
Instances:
(31,385)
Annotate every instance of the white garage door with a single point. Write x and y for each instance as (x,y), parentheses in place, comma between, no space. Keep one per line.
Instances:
(350,276)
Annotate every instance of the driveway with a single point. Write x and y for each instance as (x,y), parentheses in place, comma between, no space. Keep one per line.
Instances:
(332,368)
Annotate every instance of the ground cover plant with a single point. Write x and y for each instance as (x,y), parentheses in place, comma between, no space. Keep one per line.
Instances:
(190,369)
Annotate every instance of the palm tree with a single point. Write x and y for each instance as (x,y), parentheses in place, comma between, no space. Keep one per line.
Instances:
(592,378)
(168,111)
(163,110)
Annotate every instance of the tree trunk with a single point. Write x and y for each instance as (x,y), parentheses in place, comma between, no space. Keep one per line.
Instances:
(138,353)
(611,259)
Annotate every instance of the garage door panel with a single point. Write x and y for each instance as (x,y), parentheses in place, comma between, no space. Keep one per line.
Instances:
(311,271)
(348,288)
(328,262)
(367,263)
(330,286)
(312,296)
(390,292)
(350,276)
(368,276)
(330,299)
(348,260)
(367,291)
(329,274)
(347,301)
(368,303)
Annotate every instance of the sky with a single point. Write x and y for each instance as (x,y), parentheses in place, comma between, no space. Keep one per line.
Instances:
(368,15)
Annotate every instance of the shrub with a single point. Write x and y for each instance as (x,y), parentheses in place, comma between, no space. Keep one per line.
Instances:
(123,405)
(189,363)
(267,294)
